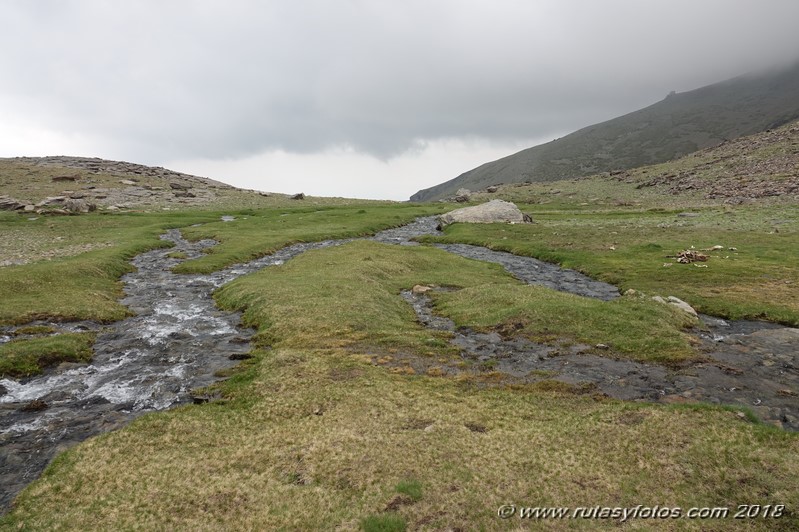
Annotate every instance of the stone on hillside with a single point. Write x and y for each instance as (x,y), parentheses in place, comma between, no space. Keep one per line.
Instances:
(128,182)
(492,189)
(682,305)
(463,195)
(77,206)
(299,196)
(51,200)
(174,185)
(494,211)
(65,178)
(10,204)
(677,302)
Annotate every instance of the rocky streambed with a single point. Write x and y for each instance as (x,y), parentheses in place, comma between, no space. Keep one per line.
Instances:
(178,341)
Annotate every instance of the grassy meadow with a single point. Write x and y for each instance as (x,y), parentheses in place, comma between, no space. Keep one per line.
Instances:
(333,425)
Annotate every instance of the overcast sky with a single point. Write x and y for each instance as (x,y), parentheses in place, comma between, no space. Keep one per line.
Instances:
(354,98)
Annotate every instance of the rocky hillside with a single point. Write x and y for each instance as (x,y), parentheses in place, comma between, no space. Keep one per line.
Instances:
(75,184)
(680,124)
(751,167)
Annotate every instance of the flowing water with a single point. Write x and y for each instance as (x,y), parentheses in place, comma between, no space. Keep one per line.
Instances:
(178,341)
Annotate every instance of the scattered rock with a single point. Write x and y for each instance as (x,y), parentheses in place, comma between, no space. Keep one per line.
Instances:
(66,178)
(29,208)
(688,215)
(494,211)
(10,204)
(51,200)
(37,405)
(677,302)
(77,206)
(463,195)
(492,189)
(682,305)
(199,398)
(174,185)
(299,196)
(420,289)
(183,194)
(129,182)
(3,390)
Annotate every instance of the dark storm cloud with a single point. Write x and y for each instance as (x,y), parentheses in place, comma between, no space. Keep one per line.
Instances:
(186,79)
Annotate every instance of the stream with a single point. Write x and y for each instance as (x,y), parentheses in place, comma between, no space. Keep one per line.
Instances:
(178,341)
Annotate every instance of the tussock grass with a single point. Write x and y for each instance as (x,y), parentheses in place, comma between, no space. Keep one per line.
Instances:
(349,295)
(639,329)
(25,357)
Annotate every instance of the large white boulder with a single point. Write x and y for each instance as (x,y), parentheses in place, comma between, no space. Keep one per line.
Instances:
(495,211)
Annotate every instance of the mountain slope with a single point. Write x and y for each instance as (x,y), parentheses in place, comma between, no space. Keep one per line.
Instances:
(678,125)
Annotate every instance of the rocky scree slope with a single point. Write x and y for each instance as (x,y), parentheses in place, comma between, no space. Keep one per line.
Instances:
(61,185)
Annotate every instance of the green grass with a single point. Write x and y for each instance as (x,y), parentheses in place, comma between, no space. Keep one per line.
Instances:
(34,330)
(82,285)
(258,233)
(411,488)
(635,328)
(26,357)
(758,279)
(384,523)
(330,297)
(85,284)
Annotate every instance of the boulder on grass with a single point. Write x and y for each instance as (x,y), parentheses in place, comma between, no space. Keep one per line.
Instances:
(494,211)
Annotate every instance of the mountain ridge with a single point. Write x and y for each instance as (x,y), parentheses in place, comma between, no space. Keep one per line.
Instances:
(679,124)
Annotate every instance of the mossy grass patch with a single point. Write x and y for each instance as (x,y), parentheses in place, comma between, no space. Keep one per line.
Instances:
(28,356)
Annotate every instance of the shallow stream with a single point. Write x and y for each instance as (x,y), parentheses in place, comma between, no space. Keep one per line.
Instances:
(179,340)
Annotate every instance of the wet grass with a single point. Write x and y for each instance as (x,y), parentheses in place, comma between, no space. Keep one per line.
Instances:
(753,275)
(28,356)
(257,233)
(331,297)
(85,284)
